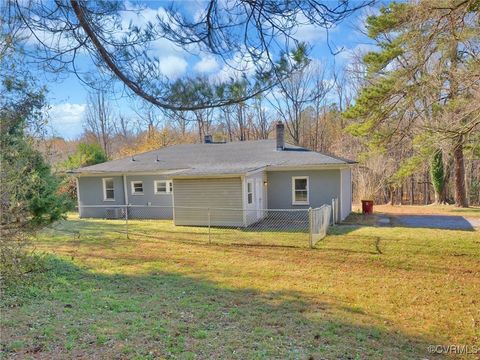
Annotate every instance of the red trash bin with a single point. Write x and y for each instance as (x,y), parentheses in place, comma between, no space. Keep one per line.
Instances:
(367,206)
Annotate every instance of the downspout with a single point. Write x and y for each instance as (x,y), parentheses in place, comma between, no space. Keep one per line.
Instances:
(341,195)
(125,195)
(244,194)
(125,191)
(78,197)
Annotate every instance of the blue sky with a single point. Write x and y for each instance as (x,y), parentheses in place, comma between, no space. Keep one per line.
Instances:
(67,96)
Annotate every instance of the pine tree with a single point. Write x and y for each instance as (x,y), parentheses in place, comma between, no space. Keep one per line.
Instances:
(438,176)
(422,88)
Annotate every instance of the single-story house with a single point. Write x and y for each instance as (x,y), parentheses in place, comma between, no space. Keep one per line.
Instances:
(244,178)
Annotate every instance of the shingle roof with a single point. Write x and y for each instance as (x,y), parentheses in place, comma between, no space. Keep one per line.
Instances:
(215,158)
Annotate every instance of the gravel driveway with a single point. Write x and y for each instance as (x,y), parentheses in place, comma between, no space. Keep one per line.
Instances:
(439,222)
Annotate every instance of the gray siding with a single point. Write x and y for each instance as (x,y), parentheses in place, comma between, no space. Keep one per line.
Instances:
(210,193)
(323,186)
(346,199)
(91,193)
(149,198)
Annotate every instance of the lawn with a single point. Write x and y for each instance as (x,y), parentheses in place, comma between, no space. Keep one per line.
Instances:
(363,292)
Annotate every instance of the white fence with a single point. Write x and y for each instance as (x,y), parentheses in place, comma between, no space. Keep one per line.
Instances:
(319,222)
(285,227)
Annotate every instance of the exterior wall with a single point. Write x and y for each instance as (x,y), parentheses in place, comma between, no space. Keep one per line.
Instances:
(91,193)
(346,198)
(217,193)
(149,198)
(208,193)
(323,186)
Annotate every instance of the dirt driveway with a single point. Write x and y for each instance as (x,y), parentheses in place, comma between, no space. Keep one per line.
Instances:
(439,222)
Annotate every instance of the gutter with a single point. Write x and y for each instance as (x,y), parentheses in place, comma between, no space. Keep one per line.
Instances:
(125,189)
(308,167)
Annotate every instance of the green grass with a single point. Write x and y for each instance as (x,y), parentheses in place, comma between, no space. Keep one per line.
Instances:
(363,293)
(93,229)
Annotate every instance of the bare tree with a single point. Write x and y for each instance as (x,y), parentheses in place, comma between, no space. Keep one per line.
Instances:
(261,122)
(149,117)
(204,118)
(99,120)
(299,91)
(122,126)
(227,115)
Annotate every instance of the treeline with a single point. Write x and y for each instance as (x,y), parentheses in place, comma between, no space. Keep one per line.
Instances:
(407,112)
(379,175)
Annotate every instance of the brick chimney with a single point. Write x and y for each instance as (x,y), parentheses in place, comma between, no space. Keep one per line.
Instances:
(280,132)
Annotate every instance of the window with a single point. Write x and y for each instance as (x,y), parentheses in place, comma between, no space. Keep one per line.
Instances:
(108,191)
(137,187)
(300,191)
(250,191)
(163,186)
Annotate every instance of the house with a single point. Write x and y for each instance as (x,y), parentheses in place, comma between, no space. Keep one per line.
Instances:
(239,180)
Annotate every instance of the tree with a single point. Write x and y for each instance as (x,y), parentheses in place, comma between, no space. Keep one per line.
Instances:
(200,89)
(99,120)
(28,193)
(257,32)
(85,155)
(422,89)
(301,90)
(438,177)
(261,122)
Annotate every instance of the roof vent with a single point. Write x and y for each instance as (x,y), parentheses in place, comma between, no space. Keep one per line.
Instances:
(280,132)
(208,139)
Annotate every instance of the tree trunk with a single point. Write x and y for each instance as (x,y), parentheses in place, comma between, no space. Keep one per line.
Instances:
(448,169)
(412,191)
(425,189)
(392,195)
(459,171)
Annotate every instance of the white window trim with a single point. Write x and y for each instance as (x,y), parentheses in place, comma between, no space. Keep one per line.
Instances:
(251,192)
(293,190)
(132,183)
(104,180)
(167,187)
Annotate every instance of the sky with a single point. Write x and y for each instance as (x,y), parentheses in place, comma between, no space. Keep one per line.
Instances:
(67,96)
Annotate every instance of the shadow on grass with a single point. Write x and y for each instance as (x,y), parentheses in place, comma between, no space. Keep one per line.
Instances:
(427,221)
(446,222)
(76,313)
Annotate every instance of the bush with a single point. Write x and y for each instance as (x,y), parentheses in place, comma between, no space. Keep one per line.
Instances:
(29,197)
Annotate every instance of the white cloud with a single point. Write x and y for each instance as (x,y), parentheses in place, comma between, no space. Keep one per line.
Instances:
(241,64)
(308,32)
(66,119)
(141,16)
(173,66)
(351,54)
(206,64)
